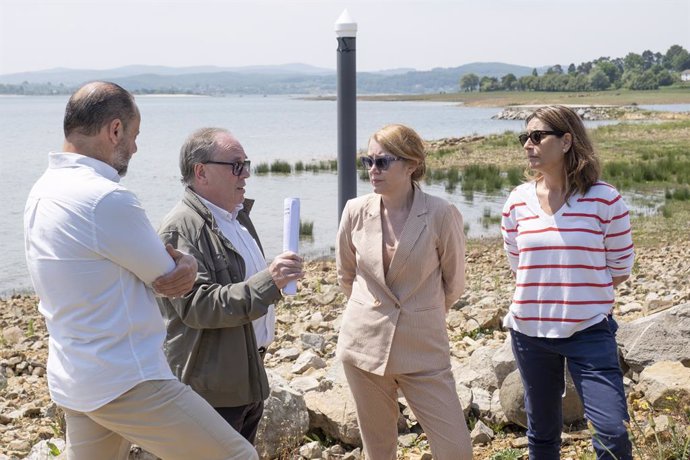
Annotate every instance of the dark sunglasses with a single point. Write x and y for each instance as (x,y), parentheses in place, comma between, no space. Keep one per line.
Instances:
(237,166)
(537,136)
(382,163)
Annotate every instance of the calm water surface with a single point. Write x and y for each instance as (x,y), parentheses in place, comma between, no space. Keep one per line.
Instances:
(269,128)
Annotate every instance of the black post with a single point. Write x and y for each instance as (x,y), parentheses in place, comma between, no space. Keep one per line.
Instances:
(346,31)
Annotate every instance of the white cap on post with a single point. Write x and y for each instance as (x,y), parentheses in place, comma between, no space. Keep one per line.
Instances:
(345,26)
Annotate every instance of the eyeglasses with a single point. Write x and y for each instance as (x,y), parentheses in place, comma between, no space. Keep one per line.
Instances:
(382,163)
(537,136)
(237,166)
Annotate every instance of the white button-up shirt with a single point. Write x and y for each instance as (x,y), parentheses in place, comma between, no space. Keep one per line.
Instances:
(91,251)
(254,261)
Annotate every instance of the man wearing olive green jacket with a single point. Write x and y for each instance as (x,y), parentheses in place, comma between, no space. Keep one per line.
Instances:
(217,333)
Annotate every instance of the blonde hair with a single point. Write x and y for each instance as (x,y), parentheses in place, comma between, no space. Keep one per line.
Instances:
(581,166)
(403,142)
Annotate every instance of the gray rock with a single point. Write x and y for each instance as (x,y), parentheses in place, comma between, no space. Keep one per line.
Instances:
(42,451)
(662,336)
(328,295)
(311,450)
(464,375)
(663,427)
(313,341)
(654,302)
(307,360)
(486,314)
(481,401)
(19,445)
(630,307)
(333,411)
(503,361)
(407,439)
(284,423)
(355,454)
(665,383)
(13,335)
(465,397)
(289,354)
(497,414)
(335,373)
(513,403)
(481,434)
(481,363)
(337,450)
(304,384)
(455,319)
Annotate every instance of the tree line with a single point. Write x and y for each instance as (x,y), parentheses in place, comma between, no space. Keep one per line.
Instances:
(635,71)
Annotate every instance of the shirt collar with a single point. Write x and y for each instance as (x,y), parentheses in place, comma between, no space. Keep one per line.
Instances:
(57,160)
(219,212)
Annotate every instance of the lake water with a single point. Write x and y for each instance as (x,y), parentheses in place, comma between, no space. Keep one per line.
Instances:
(275,127)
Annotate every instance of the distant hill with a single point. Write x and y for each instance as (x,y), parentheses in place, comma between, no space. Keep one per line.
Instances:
(79,76)
(292,78)
(435,80)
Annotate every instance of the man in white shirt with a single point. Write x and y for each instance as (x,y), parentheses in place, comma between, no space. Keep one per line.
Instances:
(218,332)
(93,258)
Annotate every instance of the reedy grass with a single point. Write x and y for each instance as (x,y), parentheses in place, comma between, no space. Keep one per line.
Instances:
(488,219)
(649,442)
(679,194)
(306,228)
(668,95)
(281,167)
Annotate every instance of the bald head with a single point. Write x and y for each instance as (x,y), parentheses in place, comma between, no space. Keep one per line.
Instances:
(96,104)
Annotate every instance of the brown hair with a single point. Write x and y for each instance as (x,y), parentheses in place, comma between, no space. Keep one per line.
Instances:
(581,165)
(403,142)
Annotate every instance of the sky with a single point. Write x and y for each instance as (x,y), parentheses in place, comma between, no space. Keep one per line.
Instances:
(420,34)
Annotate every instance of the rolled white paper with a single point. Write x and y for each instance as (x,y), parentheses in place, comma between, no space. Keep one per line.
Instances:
(291,235)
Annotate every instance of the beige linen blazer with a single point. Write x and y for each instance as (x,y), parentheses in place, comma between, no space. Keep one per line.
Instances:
(396,323)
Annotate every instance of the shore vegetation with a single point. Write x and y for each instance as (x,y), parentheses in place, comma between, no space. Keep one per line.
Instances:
(677,94)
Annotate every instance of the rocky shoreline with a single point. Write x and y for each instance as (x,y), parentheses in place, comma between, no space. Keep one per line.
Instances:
(592,113)
(309,414)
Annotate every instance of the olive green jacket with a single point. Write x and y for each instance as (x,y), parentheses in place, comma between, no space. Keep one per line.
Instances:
(210,341)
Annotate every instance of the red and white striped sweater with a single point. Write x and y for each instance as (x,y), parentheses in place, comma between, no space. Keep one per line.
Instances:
(564,263)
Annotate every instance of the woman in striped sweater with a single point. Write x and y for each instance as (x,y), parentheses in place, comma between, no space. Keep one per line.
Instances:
(568,240)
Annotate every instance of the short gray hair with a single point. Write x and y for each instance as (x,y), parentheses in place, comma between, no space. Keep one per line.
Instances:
(198,148)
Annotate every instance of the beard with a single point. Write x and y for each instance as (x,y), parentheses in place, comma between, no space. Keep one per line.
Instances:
(121,160)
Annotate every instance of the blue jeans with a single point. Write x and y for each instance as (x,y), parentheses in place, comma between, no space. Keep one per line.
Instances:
(592,358)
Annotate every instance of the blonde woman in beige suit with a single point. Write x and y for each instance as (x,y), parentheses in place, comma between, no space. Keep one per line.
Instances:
(401,262)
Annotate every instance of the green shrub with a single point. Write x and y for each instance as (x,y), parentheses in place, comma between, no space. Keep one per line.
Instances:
(261,168)
(515,176)
(281,167)
(452,179)
(508,454)
(306,228)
